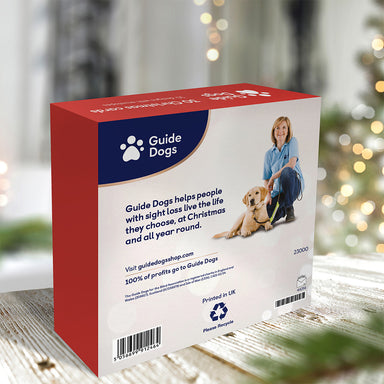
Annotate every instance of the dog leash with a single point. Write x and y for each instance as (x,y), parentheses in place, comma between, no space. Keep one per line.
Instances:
(299,197)
(275,210)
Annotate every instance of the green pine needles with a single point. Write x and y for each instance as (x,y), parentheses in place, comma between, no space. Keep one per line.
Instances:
(325,354)
(27,234)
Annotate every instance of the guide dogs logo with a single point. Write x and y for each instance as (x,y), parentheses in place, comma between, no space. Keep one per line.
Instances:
(249,92)
(132,152)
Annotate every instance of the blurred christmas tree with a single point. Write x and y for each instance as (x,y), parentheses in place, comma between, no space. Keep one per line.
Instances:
(350,213)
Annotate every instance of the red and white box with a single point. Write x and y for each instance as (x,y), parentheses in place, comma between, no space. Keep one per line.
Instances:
(163,232)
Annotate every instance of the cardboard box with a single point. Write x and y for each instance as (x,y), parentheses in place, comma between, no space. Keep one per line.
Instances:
(146,190)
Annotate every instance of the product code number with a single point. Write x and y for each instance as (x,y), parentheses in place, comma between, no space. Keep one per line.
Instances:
(300,250)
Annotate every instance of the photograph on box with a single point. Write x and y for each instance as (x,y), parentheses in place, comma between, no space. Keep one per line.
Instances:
(206,219)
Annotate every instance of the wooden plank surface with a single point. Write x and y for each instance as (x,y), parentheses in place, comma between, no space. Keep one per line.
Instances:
(345,289)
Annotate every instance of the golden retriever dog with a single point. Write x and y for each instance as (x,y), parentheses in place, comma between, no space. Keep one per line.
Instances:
(253,218)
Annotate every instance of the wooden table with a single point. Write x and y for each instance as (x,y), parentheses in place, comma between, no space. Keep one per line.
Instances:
(344,290)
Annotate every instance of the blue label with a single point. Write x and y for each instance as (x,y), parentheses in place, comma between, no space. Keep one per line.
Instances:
(135,148)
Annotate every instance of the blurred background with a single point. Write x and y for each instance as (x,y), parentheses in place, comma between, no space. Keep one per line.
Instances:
(59,50)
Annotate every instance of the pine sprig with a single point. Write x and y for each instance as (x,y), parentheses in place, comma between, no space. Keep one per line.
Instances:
(324,354)
(30,234)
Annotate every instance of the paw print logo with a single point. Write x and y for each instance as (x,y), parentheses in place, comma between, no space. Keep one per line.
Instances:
(248,92)
(132,151)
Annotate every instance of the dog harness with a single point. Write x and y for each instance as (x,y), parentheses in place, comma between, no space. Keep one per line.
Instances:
(262,222)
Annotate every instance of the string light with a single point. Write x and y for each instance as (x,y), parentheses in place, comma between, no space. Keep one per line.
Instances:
(362,226)
(379,86)
(380,248)
(367,153)
(359,167)
(328,201)
(357,149)
(338,216)
(214,37)
(367,207)
(377,127)
(346,190)
(213,54)
(382,209)
(222,24)
(342,200)
(355,217)
(206,18)
(378,44)
(321,174)
(381,228)
(362,111)
(345,139)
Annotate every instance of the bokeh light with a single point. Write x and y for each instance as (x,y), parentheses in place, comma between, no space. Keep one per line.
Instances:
(346,190)
(357,149)
(367,153)
(367,207)
(214,38)
(338,216)
(379,86)
(380,248)
(351,240)
(345,139)
(206,18)
(222,24)
(378,43)
(362,226)
(321,173)
(213,54)
(359,167)
(377,127)
(355,217)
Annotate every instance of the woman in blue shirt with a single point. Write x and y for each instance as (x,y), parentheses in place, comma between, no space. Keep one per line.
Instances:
(282,174)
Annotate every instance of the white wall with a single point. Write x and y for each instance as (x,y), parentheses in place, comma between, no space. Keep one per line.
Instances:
(161,45)
(344,33)
(24,77)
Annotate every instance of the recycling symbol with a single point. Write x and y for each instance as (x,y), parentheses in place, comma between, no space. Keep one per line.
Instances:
(218,312)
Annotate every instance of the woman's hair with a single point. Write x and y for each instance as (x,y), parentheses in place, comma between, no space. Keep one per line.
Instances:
(276,123)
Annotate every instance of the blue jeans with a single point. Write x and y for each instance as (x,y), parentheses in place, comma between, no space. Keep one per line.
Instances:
(290,188)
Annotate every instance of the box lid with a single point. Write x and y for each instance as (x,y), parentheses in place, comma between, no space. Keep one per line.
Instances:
(169,102)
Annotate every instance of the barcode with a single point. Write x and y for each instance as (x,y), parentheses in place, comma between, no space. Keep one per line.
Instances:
(290,299)
(133,344)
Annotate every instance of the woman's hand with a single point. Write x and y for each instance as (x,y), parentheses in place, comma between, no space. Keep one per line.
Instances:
(268,199)
(270,184)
